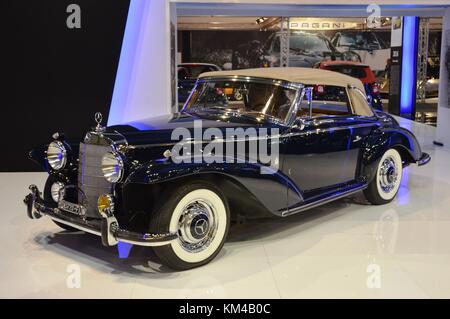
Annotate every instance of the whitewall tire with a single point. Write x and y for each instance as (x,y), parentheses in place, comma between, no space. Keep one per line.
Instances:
(199,214)
(386,182)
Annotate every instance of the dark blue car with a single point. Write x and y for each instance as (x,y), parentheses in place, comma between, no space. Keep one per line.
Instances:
(248,143)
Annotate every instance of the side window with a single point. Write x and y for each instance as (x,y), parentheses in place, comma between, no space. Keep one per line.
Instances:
(327,100)
(360,103)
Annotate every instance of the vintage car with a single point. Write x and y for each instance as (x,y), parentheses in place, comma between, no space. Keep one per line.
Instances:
(369,46)
(133,183)
(305,50)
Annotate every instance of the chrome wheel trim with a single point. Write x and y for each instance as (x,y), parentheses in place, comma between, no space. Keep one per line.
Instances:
(389,174)
(197,225)
(199,203)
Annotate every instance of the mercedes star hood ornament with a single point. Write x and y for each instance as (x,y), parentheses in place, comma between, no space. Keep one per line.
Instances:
(98,120)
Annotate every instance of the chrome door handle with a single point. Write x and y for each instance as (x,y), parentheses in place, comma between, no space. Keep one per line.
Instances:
(357,139)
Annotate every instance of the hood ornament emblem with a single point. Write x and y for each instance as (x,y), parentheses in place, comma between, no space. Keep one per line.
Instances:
(98,119)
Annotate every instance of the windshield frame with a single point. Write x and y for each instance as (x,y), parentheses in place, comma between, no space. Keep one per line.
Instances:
(298,87)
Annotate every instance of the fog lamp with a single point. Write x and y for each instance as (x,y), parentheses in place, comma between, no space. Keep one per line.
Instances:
(105,205)
(57,190)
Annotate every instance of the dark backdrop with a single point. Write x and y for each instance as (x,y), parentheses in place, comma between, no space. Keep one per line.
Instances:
(56,78)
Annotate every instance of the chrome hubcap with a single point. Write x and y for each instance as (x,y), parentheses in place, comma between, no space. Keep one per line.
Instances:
(197,226)
(388,175)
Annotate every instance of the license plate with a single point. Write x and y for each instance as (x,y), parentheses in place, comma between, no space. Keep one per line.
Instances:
(71,208)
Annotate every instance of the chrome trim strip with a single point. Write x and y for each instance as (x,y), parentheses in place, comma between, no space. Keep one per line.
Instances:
(189,97)
(350,101)
(235,78)
(320,202)
(77,226)
(331,129)
(238,78)
(277,136)
(292,113)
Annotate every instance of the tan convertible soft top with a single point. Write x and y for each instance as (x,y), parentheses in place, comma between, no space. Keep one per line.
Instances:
(306,76)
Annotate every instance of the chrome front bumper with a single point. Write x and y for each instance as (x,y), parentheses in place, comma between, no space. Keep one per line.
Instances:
(107,228)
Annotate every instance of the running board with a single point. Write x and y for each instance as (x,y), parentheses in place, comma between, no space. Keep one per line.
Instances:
(325,200)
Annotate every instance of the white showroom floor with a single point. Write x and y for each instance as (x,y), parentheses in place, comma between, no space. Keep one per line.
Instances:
(343,249)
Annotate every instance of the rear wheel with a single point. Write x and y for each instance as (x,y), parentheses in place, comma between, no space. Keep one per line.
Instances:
(199,214)
(386,183)
(52,203)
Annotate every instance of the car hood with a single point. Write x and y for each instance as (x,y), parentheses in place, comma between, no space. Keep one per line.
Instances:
(159,129)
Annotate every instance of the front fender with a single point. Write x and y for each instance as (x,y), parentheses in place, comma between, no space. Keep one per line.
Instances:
(39,156)
(385,138)
(269,189)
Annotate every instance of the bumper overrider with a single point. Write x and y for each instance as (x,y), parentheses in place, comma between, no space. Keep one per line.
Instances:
(107,228)
(424,159)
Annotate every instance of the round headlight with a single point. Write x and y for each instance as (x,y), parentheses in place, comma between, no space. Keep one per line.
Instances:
(112,167)
(57,155)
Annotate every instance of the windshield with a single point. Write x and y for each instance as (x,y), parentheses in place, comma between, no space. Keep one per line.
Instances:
(243,97)
(308,42)
(364,40)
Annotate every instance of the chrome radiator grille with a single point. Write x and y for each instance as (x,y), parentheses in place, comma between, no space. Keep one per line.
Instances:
(91,183)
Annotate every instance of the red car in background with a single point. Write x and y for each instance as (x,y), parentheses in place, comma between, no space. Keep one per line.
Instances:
(360,71)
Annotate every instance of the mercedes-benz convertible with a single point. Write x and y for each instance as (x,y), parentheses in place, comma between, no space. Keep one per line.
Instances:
(247,144)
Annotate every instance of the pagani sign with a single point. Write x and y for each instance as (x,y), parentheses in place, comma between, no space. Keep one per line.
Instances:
(321,25)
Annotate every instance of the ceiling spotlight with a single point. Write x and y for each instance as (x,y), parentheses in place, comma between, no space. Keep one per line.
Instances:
(260,20)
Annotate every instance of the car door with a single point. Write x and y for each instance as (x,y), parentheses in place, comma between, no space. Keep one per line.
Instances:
(319,153)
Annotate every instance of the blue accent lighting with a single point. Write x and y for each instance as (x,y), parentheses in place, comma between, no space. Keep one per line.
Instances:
(124,249)
(409,66)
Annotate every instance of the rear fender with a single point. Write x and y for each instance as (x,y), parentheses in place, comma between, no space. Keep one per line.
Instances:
(385,138)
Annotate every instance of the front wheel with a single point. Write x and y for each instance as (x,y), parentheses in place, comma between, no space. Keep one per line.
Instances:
(199,214)
(385,185)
